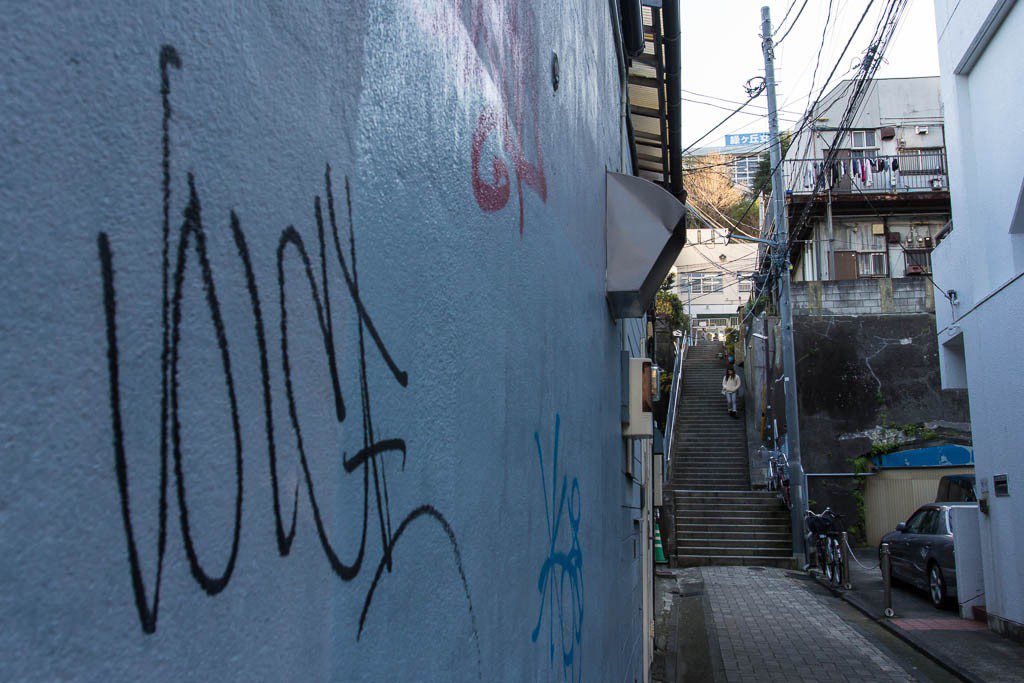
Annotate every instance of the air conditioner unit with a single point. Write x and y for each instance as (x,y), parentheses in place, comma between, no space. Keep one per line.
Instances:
(922,130)
(892,238)
(640,408)
(915,270)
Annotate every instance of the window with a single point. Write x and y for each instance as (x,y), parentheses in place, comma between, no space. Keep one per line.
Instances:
(745,282)
(919,259)
(915,522)
(711,284)
(744,170)
(686,283)
(696,283)
(922,161)
(929,523)
(860,139)
(871,264)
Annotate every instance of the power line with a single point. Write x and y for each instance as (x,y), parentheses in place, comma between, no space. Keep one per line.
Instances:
(795,19)
(718,125)
(734,102)
(718,106)
(785,16)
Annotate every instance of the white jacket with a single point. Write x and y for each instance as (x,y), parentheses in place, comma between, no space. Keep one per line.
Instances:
(731,385)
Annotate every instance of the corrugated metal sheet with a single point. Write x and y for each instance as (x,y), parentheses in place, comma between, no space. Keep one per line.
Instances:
(891,496)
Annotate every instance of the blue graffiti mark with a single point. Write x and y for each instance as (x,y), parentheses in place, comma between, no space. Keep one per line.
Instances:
(560,583)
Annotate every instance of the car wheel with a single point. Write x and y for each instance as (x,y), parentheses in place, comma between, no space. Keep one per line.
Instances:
(936,586)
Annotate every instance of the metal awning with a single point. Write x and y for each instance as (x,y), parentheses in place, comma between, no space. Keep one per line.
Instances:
(645,228)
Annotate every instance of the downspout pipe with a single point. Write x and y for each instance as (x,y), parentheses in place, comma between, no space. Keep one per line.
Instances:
(620,56)
(673,86)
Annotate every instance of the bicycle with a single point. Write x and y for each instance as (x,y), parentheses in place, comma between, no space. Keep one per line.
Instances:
(827,529)
(778,477)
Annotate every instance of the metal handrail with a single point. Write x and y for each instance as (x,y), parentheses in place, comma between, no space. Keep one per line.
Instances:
(914,172)
(673,403)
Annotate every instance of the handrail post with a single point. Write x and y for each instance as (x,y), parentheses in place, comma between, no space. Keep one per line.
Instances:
(886,562)
(845,548)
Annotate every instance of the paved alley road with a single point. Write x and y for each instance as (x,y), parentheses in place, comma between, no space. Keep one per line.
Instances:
(740,624)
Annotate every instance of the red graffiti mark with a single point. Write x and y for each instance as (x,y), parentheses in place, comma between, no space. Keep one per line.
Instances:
(509,55)
(490,196)
(499,48)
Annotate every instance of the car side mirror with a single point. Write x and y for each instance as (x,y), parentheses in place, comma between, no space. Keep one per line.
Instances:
(901,527)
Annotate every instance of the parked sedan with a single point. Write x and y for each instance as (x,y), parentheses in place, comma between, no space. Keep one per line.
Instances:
(921,551)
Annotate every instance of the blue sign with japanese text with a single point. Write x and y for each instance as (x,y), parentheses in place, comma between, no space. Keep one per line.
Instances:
(746,139)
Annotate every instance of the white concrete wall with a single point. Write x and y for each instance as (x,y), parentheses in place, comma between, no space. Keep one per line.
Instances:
(703,255)
(982,260)
(903,103)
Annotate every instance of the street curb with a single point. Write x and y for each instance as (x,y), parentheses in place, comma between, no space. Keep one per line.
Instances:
(914,642)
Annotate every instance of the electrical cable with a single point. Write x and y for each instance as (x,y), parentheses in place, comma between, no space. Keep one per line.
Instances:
(793,112)
(722,122)
(757,114)
(784,17)
(795,19)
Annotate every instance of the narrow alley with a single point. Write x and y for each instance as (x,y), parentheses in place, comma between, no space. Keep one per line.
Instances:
(733,609)
(732,624)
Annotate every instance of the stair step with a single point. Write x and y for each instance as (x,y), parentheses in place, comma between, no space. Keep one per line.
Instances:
(733,546)
(727,551)
(689,505)
(727,537)
(717,496)
(783,562)
(730,516)
(688,484)
(720,527)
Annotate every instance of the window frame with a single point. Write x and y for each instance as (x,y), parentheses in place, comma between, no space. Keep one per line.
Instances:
(873,255)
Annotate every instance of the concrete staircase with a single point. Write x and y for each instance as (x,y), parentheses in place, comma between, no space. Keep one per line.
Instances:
(718,519)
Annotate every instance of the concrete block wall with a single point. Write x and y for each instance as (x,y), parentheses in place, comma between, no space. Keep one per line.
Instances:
(293,387)
(865,296)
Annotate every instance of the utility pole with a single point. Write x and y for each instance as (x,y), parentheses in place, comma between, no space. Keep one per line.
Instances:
(798,494)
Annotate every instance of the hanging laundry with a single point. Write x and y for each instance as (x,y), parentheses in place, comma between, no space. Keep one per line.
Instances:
(864,172)
(895,164)
(869,173)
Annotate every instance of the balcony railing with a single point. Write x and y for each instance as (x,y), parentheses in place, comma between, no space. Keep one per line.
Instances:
(899,173)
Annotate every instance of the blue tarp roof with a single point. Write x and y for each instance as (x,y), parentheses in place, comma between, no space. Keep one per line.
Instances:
(947,455)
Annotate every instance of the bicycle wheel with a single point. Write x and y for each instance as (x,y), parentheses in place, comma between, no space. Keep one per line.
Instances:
(840,577)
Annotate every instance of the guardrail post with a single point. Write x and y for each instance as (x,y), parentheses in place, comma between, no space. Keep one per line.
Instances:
(886,562)
(845,548)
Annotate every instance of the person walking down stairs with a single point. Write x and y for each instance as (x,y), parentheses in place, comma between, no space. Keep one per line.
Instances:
(717,518)
(731,390)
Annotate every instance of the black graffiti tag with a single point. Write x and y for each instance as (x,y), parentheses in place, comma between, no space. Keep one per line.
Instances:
(190,241)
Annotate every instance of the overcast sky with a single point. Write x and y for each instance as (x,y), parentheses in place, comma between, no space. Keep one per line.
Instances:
(722,49)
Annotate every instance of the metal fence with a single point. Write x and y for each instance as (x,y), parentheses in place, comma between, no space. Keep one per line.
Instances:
(918,171)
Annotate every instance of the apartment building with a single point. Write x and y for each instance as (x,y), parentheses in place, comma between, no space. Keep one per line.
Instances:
(876,209)
(714,278)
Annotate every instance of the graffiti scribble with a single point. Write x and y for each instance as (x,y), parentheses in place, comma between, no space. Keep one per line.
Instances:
(500,52)
(560,583)
(191,237)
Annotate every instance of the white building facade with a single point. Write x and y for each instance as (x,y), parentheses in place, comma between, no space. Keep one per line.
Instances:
(713,278)
(978,266)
